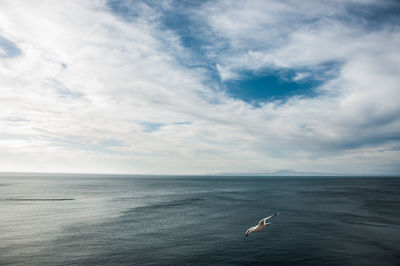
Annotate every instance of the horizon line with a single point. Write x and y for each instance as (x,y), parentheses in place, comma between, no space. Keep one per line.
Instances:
(273,174)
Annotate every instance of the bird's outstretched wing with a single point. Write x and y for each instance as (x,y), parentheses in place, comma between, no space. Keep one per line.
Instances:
(269,217)
(264,221)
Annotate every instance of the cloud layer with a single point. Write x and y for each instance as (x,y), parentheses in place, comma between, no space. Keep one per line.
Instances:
(116,87)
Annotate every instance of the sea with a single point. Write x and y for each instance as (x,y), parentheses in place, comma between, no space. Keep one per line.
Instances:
(62,219)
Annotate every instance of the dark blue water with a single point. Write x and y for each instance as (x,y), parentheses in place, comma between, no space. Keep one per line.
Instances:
(120,220)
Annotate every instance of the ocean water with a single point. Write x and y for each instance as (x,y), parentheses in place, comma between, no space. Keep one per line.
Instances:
(134,220)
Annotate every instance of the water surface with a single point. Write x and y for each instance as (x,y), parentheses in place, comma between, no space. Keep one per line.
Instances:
(133,220)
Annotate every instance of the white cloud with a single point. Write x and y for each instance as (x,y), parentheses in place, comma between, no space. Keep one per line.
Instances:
(358,107)
(86,76)
(301,75)
(225,73)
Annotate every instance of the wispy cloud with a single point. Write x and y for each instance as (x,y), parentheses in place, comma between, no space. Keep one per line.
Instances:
(74,75)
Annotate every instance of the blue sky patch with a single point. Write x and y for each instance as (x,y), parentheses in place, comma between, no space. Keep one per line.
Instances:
(123,9)
(16,119)
(179,20)
(176,18)
(182,123)
(67,93)
(8,48)
(373,16)
(280,84)
(149,127)
(269,86)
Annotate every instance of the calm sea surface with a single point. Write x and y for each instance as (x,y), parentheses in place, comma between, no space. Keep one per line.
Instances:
(125,220)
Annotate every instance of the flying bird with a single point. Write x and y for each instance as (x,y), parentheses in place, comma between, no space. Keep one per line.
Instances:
(261,225)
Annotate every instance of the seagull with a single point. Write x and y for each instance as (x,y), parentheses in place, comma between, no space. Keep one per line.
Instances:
(261,225)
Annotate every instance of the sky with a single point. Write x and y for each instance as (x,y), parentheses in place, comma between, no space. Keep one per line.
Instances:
(200,87)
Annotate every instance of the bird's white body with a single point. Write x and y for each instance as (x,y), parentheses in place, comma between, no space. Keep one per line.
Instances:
(258,227)
(261,225)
